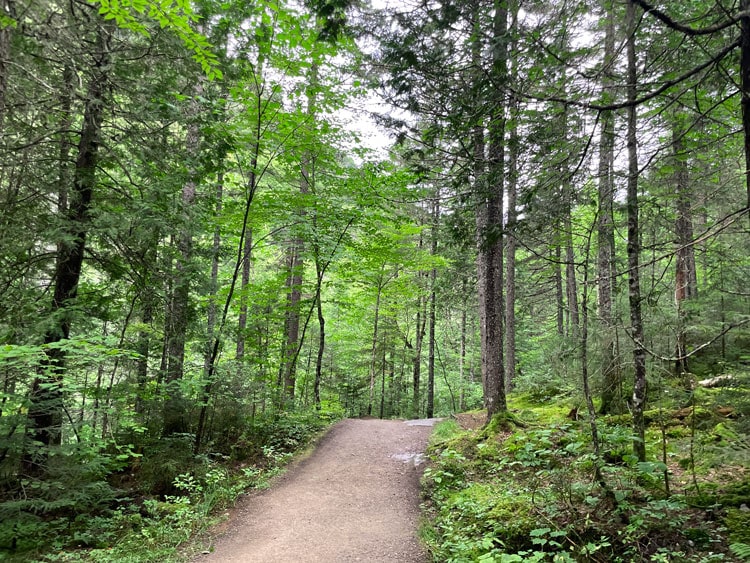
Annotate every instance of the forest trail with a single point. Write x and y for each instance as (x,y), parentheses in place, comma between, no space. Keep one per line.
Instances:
(356,498)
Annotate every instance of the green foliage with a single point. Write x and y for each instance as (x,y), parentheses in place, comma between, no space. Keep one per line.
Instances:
(76,486)
(175,15)
(741,550)
(533,495)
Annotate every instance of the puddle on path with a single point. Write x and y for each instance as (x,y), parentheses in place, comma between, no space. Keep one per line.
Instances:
(423,422)
(410,457)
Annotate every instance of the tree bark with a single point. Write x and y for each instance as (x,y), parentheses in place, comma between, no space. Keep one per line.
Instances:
(510,251)
(462,355)
(374,347)
(295,260)
(686,280)
(417,358)
(745,87)
(247,252)
(480,189)
(638,403)
(433,298)
(611,399)
(175,408)
(492,239)
(559,293)
(251,186)
(46,407)
(321,334)
(143,347)
(7,8)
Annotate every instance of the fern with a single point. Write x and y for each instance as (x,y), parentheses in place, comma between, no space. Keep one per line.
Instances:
(741,550)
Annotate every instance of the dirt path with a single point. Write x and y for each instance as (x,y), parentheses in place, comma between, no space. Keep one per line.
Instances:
(356,498)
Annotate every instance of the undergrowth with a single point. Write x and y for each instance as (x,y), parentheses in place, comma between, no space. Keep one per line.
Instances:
(149,506)
(531,494)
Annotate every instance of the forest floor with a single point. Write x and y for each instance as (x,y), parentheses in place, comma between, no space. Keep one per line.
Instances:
(356,498)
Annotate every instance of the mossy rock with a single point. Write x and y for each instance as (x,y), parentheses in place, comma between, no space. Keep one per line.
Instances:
(736,495)
(618,419)
(680,418)
(512,520)
(733,496)
(698,536)
(484,508)
(464,443)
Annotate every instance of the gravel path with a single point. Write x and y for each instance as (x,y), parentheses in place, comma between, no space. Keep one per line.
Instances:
(356,498)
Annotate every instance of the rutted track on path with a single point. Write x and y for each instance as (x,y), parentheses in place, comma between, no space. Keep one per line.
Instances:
(356,498)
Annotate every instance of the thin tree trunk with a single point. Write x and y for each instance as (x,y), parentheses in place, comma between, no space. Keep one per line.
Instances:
(745,87)
(295,260)
(559,294)
(480,190)
(686,281)
(66,144)
(383,369)
(417,358)
(7,8)
(433,299)
(633,248)
(175,407)
(212,334)
(143,347)
(373,349)
(421,327)
(321,339)
(321,318)
(571,284)
(611,401)
(244,285)
(248,242)
(462,357)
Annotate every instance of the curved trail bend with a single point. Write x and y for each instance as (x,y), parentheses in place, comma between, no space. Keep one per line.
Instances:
(356,498)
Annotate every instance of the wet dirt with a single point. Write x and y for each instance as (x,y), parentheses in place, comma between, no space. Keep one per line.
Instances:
(356,498)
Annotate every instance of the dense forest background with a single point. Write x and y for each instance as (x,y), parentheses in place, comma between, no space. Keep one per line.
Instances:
(200,255)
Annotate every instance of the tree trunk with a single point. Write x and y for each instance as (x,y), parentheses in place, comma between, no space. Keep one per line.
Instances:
(213,335)
(321,337)
(430,412)
(611,385)
(383,369)
(462,357)
(143,347)
(175,407)
(66,144)
(510,251)
(295,260)
(373,349)
(244,285)
(6,9)
(251,187)
(633,248)
(745,87)
(559,294)
(45,412)
(686,281)
(417,359)
(491,239)
(571,284)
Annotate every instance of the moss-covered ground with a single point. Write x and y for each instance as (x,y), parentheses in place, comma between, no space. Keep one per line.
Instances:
(529,490)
